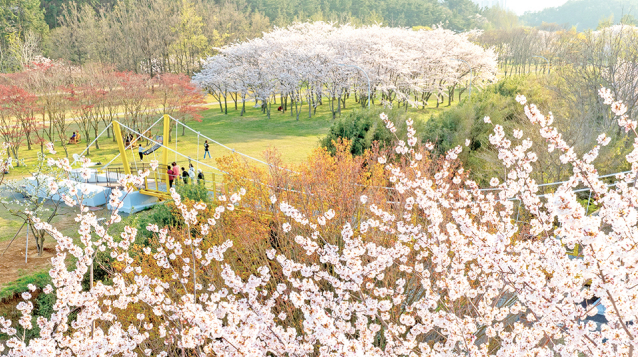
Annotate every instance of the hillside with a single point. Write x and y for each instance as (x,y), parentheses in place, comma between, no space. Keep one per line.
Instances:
(457,14)
(584,14)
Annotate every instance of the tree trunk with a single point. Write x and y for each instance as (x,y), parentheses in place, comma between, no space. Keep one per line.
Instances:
(243,105)
(225,102)
(88,142)
(14,150)
(450,95)
(97,142)
(332,105)
(267,106)
(39,239)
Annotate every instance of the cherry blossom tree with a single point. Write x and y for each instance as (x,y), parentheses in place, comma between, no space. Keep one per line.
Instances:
(405,66)
(41,195)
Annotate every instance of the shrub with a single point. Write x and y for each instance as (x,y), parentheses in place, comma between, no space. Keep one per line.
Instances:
(362,127)
(497,101)
(165,215)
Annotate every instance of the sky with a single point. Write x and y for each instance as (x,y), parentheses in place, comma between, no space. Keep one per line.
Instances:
(520,6)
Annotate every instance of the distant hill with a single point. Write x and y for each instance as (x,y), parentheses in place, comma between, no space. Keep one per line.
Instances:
(584,14)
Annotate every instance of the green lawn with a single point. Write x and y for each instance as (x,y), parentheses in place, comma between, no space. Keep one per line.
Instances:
(10,224)
(251,134)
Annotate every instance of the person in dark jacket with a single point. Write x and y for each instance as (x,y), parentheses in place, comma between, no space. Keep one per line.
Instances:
(206,146)
(200,177)
(185,175)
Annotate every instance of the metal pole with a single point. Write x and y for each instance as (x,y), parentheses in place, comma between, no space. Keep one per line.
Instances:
(120,145)
(176,123)
(169,149)
(166,133)
(118,155)
(26,250)
(548,63)
(364,72)
(226,147)
(471,75)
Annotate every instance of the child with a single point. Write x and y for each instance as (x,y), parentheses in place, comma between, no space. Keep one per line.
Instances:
(141,152)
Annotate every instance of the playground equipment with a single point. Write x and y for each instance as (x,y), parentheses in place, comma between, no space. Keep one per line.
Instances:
(157,192)
(155,188)
(160,140)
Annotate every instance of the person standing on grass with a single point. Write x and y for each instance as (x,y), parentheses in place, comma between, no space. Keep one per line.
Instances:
(171,176)
(175,170)
(185,175)
(200,177)
(191,173)
(206,146)
(141,152)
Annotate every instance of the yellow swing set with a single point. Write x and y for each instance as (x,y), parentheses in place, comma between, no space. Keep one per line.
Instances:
(157,192)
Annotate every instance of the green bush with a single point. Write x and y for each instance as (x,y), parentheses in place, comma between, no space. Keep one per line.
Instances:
(498,101)
(43,303)
(193,192)
(164,215)
(362,127)
(18,286)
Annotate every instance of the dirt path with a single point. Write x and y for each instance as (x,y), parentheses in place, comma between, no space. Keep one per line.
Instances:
(12,264)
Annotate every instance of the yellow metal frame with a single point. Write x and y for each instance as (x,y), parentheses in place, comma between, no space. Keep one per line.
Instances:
(120,145)
(167,132)
(162,195)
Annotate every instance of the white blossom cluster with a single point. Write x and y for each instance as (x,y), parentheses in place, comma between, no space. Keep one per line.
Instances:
(305,61)
(467,283)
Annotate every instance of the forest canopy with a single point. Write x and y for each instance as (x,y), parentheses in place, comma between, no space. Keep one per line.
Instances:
(107,30)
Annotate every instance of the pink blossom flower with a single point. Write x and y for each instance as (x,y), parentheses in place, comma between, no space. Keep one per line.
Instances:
(521,99)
